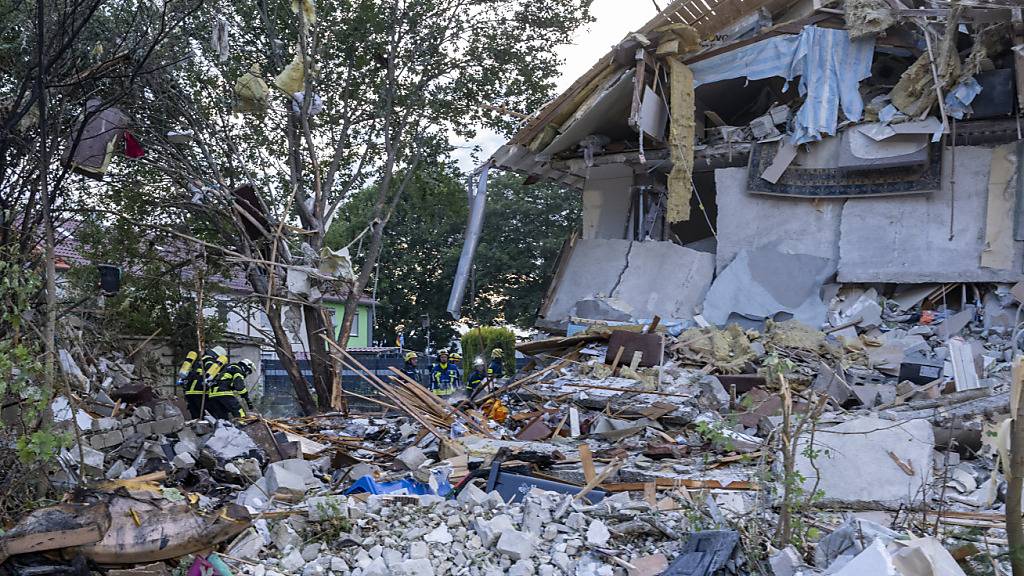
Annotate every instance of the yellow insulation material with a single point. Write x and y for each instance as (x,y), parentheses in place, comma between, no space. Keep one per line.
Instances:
(683,133)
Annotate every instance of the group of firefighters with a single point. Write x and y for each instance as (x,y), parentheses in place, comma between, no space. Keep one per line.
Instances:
(446,375)
(213,385)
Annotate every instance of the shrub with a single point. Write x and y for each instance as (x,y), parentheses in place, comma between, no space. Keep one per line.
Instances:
(491,337)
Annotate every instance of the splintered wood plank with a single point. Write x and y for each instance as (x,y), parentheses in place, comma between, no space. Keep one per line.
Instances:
(587,459)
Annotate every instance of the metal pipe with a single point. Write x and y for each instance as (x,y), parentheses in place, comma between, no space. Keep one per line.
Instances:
(476,224)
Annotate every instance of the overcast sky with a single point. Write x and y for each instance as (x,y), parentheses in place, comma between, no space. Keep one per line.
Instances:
(614,19)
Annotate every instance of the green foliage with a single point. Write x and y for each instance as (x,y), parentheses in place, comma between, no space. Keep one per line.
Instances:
(714,433)
(157,287)
(480,342)
(28,441)
(333,524)
(523,234)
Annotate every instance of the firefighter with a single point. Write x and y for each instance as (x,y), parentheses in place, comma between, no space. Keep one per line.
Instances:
(410,368)
(198,378)
(226,391)
(476,377)
(444,376)
(496,369)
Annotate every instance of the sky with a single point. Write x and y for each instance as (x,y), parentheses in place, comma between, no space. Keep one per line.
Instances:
(613,20)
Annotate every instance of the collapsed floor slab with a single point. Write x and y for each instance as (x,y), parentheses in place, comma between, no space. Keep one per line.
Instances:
(652,278)
(869,462)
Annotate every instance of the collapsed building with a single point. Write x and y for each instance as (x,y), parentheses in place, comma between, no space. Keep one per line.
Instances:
(735,157)
(798,173)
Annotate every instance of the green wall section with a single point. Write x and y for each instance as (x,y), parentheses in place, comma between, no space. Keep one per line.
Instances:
(362,340)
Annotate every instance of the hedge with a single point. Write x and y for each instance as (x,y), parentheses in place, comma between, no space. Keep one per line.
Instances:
(492,338)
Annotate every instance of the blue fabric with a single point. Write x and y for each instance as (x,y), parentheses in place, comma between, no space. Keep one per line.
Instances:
(410,486)
(958,101)
(829,64)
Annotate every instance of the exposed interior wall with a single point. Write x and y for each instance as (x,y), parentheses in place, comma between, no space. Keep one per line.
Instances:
(606,199)
(794,225)
(907,239)
(642,279)
(895,239)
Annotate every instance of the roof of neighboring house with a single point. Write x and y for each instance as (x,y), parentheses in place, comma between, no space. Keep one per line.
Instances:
(68,251)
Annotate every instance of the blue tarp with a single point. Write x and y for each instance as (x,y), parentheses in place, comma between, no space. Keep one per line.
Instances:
(406,485)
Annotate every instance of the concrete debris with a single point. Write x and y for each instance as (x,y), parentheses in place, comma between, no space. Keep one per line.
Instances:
(229,443)
(874,560)
(766,284)
(899,457)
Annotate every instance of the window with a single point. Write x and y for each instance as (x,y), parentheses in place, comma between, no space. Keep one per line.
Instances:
(355,324)
(338,316)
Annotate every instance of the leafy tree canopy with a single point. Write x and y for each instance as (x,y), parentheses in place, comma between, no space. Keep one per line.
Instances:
(523,234)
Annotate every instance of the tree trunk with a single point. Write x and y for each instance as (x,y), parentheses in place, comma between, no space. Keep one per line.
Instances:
(356,292)
(325,376)
(1015,475)
(283,345)
(287,357)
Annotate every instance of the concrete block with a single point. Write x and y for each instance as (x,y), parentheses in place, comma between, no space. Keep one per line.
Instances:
(416,567)
(293,561)
(906,239)
(472,496)
(515,544)
(597,534)
(643,279)
(490,530)
(184,461)
(767,283)
(228,443)
(92,460)
(284,536)
(284,485)
(248,544)
(105,424)
(855,467)
(167,426)
(106,440)
(786,562)
(439,535)
(795,226)
(411,458)
(875,560)
(311,552)
(143,413)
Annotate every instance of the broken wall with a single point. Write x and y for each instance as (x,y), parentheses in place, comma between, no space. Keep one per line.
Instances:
(652,278)
(795,226)
(907,239)
(899,239)
(606,199)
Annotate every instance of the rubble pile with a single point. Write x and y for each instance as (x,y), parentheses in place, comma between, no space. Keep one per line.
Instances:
(627,449)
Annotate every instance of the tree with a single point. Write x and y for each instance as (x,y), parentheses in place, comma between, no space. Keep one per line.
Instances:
(54,56)
(525,228)
(396,80)
(524,231)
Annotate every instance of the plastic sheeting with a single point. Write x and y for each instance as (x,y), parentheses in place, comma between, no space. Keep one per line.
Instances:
(829,64)
(404,486)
